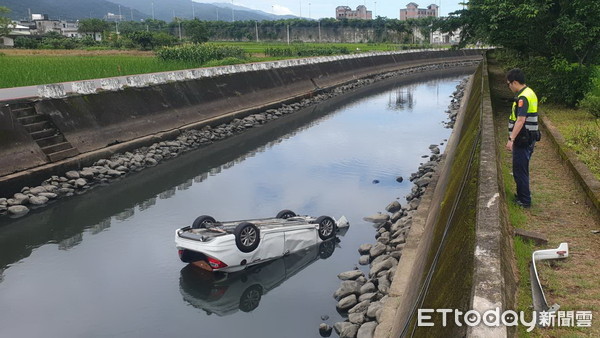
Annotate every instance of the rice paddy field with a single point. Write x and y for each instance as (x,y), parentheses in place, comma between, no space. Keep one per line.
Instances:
(33,67)
(27,70)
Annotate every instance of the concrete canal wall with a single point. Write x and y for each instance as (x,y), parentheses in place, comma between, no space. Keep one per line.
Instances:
(139,110)
(459,249)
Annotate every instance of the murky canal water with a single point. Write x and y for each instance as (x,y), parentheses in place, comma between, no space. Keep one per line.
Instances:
(104,263)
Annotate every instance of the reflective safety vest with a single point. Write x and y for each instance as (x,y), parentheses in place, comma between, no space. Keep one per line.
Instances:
(531,120)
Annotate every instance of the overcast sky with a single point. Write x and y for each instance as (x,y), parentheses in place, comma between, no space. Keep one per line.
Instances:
(326,8)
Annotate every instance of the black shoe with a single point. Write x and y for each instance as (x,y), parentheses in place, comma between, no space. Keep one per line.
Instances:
(523,205)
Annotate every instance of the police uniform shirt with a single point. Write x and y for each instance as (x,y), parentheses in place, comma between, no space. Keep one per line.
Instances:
(522,104)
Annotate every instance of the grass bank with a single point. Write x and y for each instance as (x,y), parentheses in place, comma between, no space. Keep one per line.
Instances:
(35,67)
(581,131)
(260,47)
(27,70)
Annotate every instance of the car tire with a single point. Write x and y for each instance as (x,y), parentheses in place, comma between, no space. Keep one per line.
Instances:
(251,298)
(326,249)
(285,214)
(327,227)
(247,236)
(203,221)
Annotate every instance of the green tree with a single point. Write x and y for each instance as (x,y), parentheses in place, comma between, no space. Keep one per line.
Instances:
(5,22)
(93,26)
(128,27)
(554,41)
(143,39)
(27,43)
(196,30)
(163,39)
(155,25)
(569,29)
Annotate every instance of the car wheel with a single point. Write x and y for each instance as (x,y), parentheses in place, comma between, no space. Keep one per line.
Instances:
(326,227)
(247,236)
(203,221)
(326,249)
(285,214)
(250,298)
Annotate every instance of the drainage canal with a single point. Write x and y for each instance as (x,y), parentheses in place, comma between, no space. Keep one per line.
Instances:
(105,264)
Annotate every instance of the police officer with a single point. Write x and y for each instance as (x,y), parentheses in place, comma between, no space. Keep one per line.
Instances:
(523,133)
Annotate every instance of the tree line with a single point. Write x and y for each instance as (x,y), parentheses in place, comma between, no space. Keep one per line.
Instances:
(557,42)
(151,34)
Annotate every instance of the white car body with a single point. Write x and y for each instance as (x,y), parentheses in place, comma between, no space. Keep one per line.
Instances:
(214,247)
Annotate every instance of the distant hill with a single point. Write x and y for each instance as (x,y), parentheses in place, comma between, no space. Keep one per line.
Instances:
(139,9)
(167,9)
(258,12)
(69,9)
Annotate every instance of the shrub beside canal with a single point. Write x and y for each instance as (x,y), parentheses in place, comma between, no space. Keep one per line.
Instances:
(200,53)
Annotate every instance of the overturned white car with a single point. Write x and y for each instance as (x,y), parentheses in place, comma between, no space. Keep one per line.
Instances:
(235,245)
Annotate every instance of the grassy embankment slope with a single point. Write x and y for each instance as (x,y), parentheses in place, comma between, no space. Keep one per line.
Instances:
(34,67)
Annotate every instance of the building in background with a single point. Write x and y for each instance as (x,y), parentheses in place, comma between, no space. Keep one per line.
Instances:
(413,11)
(345,12)
(17,30)
(452,38)
(114,17)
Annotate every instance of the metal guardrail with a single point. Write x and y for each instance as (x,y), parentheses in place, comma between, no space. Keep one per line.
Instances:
(540,304)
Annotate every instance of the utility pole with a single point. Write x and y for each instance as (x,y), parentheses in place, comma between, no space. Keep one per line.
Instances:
(319,30)
(309,10)
(193,12)
(288,34)
(153,10)
(120,16)
(256,28)
(300,1)
(232,12)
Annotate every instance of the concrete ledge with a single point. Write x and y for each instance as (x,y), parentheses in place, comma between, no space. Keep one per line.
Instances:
(583,175)
(488,279)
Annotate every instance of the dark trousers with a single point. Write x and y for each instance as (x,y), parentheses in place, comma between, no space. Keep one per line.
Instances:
(521,157)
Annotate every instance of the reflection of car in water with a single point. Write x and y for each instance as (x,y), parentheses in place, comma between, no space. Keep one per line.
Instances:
(226,293)
(235,245)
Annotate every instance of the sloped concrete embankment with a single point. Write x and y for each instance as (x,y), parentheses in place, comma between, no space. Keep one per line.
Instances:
(91,122)
(458,251)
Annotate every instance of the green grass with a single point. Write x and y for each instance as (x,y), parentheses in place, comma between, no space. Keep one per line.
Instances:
(27,70)
(581,132)
(259,47)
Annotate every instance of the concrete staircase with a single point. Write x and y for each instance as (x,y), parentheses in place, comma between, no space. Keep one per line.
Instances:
(44,132)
